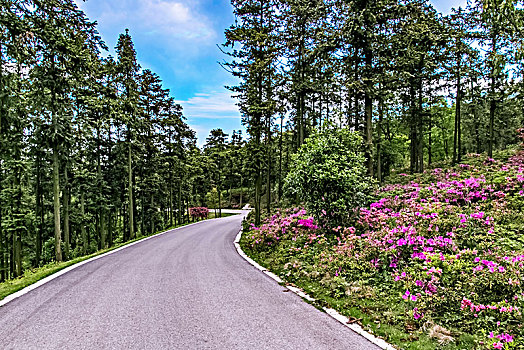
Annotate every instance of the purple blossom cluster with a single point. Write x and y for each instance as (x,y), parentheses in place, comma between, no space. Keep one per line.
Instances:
(199,213)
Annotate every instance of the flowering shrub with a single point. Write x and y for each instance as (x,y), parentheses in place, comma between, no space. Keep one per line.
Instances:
(445,246)
(199,213)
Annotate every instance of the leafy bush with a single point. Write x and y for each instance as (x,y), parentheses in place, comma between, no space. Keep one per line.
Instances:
(48,250)
(329,176)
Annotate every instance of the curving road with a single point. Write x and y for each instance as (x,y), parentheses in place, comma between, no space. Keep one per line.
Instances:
(186,289)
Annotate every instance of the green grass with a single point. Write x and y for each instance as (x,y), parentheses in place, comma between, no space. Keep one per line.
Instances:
(212,214)
(36,274)
(377,313)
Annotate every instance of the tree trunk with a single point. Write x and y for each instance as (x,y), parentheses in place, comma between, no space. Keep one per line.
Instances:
(492,109)
(109,229)
(476,121)
(187,209)
(101,209)
(420,120)
(171,203)
(179,202)
(111,209)
(457,152)
(125,225)
(39,209)
(379,139)
(459,128)
(142,213)
(241,191)
(103,228)
(420,146)
(268,179)
(229,194)
(17,232)
(259,154)
(301,97)
(413,130)
(3,245)
(56,170)
(85,243)
(130,193)
(280,160)
(258,176)
(17,245)
(430,140)
(258,195)
(66,196)
(445,141)
(368,106)
(493,101)
(152,216)
(56,204)
(219,202)
(97,232)
(12,259)
(17,235)
(17,212)
(356,96)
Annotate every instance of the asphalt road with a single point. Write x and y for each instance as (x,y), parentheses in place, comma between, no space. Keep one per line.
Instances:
(187,289)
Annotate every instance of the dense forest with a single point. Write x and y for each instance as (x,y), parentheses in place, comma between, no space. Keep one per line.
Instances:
(384,145)
(94,150)
(420,87)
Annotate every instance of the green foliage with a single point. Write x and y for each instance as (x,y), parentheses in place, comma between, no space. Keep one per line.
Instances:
(328,175)
(421,87)
(212,198)
(442,248)
(76,130)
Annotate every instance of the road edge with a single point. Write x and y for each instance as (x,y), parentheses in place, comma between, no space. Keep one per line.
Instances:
(381,343)
(59,273)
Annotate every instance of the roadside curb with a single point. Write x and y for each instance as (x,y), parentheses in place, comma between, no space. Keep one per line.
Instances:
(331,312)
(57,274)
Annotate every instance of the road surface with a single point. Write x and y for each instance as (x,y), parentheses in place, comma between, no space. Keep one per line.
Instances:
(186,289)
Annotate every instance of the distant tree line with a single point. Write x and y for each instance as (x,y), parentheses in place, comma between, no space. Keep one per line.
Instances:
(420,87)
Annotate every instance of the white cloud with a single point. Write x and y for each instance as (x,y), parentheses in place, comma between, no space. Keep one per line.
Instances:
(211,110)
(211,105)
(166,12)
(174,20)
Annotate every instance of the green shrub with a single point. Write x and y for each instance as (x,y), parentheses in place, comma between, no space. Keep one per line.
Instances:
(329,176)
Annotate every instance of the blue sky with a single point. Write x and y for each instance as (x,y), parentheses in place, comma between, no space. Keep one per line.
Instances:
(177,39)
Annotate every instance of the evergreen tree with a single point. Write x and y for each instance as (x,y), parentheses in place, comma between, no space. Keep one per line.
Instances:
(127,70)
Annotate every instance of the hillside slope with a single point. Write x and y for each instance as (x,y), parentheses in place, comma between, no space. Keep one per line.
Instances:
(437,260)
